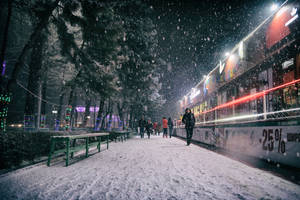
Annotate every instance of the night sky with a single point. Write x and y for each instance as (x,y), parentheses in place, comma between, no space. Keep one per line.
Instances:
(194,36)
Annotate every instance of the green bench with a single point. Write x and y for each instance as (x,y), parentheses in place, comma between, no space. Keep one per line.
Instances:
(121,135)
(70,149)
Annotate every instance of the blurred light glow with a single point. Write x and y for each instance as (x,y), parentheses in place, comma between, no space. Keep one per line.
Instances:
(241,49)
(294,11)
(194,93)
(274,7)
(222,66)
(227,54)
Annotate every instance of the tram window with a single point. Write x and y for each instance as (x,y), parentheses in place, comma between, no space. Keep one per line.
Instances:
(230,94)
(277,101)
(243,90)
(263,80)
(253,105)
(289,93)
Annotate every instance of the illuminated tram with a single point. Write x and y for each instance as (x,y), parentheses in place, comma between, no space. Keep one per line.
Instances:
(250,102)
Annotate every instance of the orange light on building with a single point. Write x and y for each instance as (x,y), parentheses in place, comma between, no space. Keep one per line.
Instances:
(277,29)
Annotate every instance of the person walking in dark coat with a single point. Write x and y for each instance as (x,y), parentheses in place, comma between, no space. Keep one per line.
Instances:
(170,125)
(149,128)
(189,120)
(158,128)
(142,124)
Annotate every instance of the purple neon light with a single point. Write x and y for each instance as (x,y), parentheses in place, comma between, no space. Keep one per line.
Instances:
(3,69)
(92,109)
(82,109)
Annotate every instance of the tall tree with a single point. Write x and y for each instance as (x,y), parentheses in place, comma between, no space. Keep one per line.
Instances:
(4,40)
(44,12)
(137,72)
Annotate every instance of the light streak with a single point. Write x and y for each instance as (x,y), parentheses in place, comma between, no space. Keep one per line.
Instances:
(249,116)
(250,97)
(291,20)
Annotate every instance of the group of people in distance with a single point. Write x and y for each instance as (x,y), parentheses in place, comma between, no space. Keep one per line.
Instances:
(155,128)
(188,119)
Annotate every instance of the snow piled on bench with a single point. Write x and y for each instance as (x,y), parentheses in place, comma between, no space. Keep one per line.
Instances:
(147,169)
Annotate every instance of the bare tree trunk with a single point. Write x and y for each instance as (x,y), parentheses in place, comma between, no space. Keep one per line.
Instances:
(131,120)
(109,128)
(43,23)
(76,118)
(99,116)
(73,112)
(127,119)
(4,40)
(103,121)
(38,120)
(44,92)
(87,112)
(120,112)
(108,110)
(59,112)
(34,79)
(72,102)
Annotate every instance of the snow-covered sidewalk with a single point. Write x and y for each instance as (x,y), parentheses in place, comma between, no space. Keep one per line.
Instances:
(147,169)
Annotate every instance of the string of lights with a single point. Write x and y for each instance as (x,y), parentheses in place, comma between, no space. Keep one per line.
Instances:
(36,96)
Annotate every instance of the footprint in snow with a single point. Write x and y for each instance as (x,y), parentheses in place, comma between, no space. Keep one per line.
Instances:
(176,181)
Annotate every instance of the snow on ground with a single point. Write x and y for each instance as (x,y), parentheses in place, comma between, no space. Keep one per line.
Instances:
(158,168)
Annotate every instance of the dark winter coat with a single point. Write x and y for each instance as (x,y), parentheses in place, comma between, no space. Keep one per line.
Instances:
(149,126)
(189,120)
(142,123)
(170,123)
